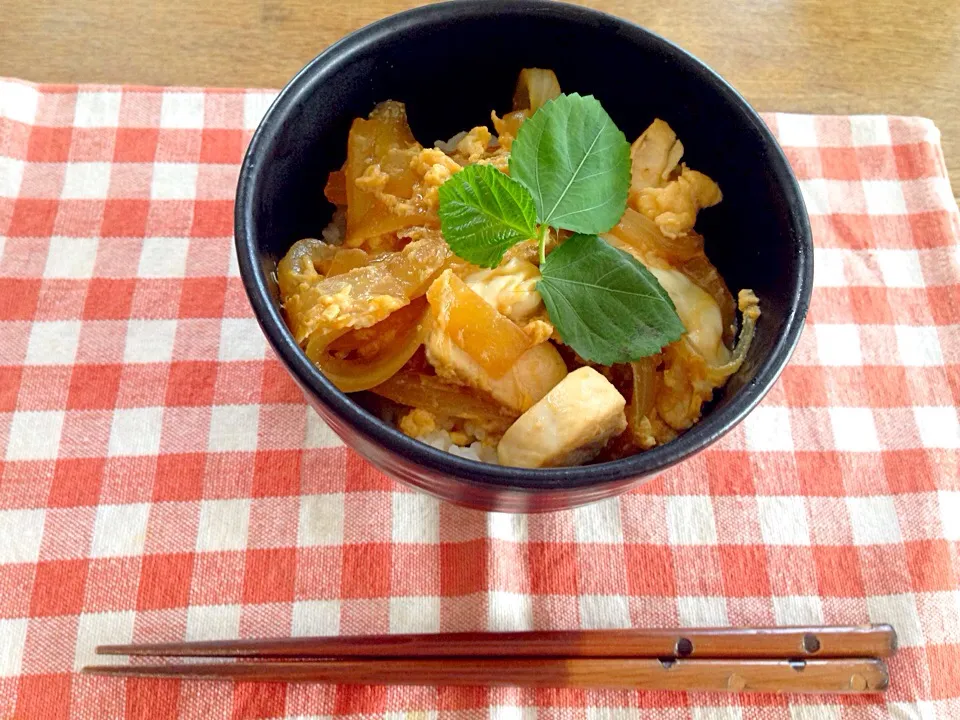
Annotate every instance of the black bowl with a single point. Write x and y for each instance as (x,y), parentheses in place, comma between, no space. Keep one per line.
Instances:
(451,64)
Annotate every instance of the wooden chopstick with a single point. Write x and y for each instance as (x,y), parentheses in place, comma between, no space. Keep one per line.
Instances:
(701,643)
(797,676)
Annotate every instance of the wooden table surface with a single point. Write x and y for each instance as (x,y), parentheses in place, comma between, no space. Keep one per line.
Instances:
(824,56)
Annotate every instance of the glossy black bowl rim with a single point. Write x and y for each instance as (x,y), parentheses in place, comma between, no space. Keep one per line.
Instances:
(710,428)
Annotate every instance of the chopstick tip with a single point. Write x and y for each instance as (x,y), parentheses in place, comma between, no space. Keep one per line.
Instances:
(112,650)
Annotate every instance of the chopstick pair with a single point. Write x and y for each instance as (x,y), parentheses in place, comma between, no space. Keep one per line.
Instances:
(796,659)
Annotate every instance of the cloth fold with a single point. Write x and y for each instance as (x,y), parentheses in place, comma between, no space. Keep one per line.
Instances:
(161,476)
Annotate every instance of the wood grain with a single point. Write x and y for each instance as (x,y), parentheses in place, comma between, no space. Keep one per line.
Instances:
(856,56)
(733,643)
(834,676)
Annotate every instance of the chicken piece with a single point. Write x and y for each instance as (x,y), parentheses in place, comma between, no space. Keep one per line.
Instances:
(569,426)
(531,377)
(472,146)
(674,207)
(654,155)
(511,288)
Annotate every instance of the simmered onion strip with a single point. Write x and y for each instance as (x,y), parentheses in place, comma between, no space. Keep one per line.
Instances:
(703,274)
(442,398)
(639,231)
(535,87)
(360,297)
(750,309)
(362,359)
(641,405)
(336,188)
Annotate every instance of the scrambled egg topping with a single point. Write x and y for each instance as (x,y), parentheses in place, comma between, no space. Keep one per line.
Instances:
(563,410)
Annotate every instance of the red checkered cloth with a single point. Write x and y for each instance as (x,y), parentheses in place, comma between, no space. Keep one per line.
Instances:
(161,476)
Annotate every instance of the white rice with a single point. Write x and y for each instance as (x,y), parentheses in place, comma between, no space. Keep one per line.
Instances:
(335,232)
(440,439)
(450,145)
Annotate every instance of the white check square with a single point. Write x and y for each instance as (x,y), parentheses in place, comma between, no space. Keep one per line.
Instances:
(319,434)
(233,428)
(938,426)
(135,431)
(815,712)
(149,341)
(35,435)
(768,429)
(899,611)
(213,622)
(918,345)
(899,268)
(867,130)
(854,429)
(182,110)
(796,130)
(316,618)
(816,196)
(53,342)
(120,530)
(11,175)
(592,713)
(598,522)
(874,520)
(507,611)
(690,520)
(416,518)
(798,610)
(97,109)
(86,180)
(783,520)
(949,502)
(828,267)
(174,181)
(18,101)
(512,527)
(163,257)
(604,611)
(241,339)
(702,611)
(838,345)
(884,197)
(13,635)
(72,258)
(21,532)
(716,712)
(255,104)
(415,614)
(102,629)
(321,520)
(224,525)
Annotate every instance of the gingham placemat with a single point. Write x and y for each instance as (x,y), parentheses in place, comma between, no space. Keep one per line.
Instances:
(162,477)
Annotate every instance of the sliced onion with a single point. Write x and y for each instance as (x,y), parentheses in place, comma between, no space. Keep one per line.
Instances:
(346,260)
(429,392)
(332,355)
(703,274)
(750,309)
(535,86)
(336,188)
(639,231)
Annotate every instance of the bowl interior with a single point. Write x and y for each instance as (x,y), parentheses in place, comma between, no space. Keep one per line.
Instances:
(451,64)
